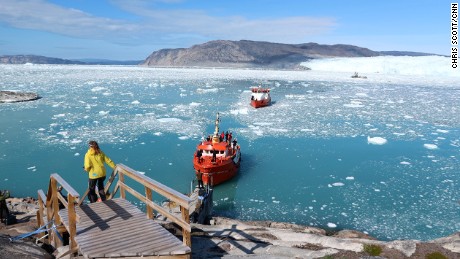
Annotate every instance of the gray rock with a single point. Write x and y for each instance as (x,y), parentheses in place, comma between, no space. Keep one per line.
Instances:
(12,96)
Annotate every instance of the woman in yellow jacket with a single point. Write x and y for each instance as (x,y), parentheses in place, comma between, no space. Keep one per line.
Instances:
(94,165)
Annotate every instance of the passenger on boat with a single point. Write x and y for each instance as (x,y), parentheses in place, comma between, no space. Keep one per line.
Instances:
(214,155)
(234,143)
(199,153)
(199,177)
(222,135)
(229,137)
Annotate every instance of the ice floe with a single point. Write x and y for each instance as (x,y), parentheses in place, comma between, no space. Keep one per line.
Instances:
(376,140)
(430,146)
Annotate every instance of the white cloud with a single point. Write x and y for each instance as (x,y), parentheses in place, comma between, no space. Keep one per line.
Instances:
(155,24)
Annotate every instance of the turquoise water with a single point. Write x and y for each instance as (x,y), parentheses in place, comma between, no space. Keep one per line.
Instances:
(306,159)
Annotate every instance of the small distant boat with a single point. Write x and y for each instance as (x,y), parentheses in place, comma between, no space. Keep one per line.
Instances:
(356,75)
(260,97)
(217,159)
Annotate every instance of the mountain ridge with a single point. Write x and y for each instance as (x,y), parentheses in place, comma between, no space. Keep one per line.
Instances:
(257,54)
(226,53)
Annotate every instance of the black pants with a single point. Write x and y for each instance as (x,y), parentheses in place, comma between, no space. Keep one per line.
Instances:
(92,189)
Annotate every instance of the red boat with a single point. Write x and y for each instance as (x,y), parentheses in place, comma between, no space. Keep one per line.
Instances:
(217,159)
(260,97)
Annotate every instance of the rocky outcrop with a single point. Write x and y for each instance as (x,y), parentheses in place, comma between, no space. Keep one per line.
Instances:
(13,96)
(228,238)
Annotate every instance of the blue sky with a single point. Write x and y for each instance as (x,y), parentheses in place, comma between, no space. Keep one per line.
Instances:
(133,29)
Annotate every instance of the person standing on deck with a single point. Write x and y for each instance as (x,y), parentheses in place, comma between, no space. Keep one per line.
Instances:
(94,165)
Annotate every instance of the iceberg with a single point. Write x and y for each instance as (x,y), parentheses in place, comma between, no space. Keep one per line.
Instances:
(376,140)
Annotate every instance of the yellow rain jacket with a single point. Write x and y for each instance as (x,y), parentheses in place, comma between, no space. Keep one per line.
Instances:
(94,164)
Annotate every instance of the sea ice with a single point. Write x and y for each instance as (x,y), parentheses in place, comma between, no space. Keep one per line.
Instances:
(338,184)
(405,163)
(350,178)
(376,140)
(97,89)
(430,146)
(331,225)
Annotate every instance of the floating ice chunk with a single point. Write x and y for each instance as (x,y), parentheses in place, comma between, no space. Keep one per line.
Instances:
(239,111)
(331,225)
(442,131)
(183,137)
(104,112)
(135,102)
(76,141)
(350,178)
(354,104)
(41,129)
(430,146)
(276,202)
(97,89)
(376,140)
(141,172)
(170,163)
(338,184)
(64,134)
(59,115)
(76,154)
(405,163)
(31,168)
(195,104)
(167,120)
(157,133)
(204,91)
(6,179)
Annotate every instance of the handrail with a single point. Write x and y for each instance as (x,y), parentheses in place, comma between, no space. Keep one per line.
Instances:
(54,198)
(51,202)
(151,185)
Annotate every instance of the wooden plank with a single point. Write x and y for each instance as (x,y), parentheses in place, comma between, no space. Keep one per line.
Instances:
(115,228)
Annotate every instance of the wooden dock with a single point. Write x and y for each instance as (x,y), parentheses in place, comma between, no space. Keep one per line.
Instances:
(115,228)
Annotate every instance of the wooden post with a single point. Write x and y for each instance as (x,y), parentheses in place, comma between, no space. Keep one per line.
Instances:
(121,178)
(187,238)
(55,210)
(40,211)
(72,221)
(148,196)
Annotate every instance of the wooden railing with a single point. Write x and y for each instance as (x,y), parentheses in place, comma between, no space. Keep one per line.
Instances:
(51,202)
(54,197)
(151,186)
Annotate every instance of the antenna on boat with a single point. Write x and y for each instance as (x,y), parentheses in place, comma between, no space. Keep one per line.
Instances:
(215,138)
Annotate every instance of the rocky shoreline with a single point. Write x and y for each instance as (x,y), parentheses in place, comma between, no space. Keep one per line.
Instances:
(13,96)
(231,238)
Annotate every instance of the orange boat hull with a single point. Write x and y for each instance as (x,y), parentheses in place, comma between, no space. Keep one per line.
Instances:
(214,173)
(261,103)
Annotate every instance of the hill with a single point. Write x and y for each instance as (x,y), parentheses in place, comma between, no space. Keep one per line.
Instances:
(23,59)
(255,54)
